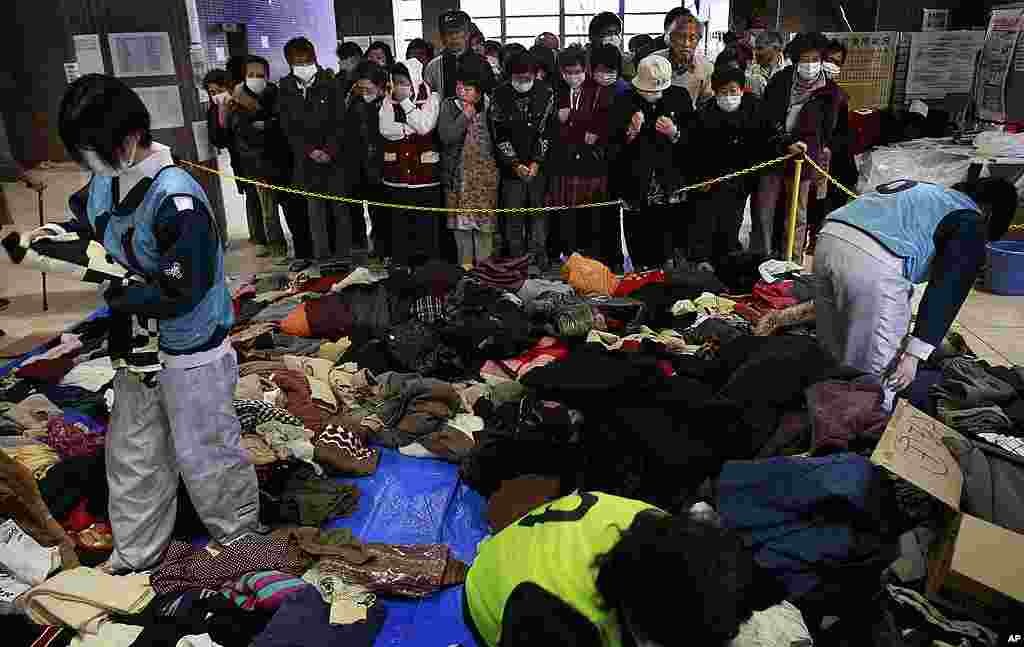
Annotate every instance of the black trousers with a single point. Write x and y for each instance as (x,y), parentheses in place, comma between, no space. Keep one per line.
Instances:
(415,235)
(297,217)
(717,217)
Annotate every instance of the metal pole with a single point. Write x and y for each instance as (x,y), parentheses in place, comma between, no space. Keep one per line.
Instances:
(46,305)
(794,208)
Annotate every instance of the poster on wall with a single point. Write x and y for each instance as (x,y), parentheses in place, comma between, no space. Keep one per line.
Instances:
(941,63)
(142,54)
(996,58)
(935,20)
(868,72)
(164,105)
(88,55)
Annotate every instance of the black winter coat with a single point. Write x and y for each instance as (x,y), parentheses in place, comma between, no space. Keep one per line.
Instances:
(731,141)
(523,125)
(364,143)
(263,151)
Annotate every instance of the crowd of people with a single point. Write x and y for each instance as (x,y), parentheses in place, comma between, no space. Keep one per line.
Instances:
(485,126)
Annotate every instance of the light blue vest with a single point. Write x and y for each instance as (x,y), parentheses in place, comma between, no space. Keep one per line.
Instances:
(130,239)
(903,216)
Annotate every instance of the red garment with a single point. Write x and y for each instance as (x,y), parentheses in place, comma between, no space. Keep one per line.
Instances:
(632,282)
(79,519)
(414,160)
(300,399)
(547,350)
(48,370)
(322,285)
(778,295)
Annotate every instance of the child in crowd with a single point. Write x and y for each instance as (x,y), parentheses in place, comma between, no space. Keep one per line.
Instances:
(349,56)
(412,169)
(579,159)
(312,120)
(366,148)
(261,148)
(523,120)
(379,52)
(470,172)
(421,50)
(492,54)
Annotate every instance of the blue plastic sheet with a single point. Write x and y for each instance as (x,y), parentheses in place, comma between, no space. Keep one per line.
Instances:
(420,501)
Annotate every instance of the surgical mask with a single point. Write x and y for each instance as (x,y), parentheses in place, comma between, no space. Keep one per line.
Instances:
(256,84)
(652,98)
(522,87)
(605,79)
(370,97)
(304,72)
(729,102)
(221,98)
(575,80)
(809,71)
(614,39)
(94,163)
(831,70)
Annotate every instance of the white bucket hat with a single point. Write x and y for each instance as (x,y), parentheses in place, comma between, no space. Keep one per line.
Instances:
(654,74)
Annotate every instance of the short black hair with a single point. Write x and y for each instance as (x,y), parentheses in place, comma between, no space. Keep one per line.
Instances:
(805,43)
(601,22)
(348,49)
(493,46)
(252,58)
(399,69)
(675,14)
(298,45)
(470,71)
(97,112)
(837,46)
(640,40)
(712,577)
(219,77)
(521,61)
(608,56)
(999,195)
(572,56)
(725,75)
(381,45)
(417,43)
(547,60)
(372,72)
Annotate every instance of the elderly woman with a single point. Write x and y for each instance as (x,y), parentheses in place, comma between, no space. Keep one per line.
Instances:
(470,173)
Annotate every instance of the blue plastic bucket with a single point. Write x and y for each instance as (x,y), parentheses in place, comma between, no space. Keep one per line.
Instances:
(1006,267)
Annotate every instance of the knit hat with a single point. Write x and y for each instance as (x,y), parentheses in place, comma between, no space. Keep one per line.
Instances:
(654,74)
(453,20)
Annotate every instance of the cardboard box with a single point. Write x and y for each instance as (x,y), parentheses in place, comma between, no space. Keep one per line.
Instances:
(975,561)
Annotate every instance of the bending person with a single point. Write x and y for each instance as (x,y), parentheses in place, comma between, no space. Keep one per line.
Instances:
(581,571)
(156,220)
(873,251)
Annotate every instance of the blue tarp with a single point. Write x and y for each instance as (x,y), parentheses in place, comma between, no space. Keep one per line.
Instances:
(420,501)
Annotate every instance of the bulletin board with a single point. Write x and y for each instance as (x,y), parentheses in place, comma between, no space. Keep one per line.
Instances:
(867,76)
(999,84)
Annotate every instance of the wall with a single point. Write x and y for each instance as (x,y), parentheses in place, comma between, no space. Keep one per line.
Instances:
(363,17)
(276,20)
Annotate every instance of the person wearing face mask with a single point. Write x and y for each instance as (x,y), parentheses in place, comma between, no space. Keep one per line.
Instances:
(493,56)
(366,150)
(312,117)
(379,52)
(690,69)
(476,39)
(606,29)
(650,131)
(155,219)
(440,73)
(579,158)
(263,153)
(800,108)
(412,164)
(577,571)
(349,55)
(421,50)
(217,84)
(606,70)
(470,170)
(732,137)
(524,122)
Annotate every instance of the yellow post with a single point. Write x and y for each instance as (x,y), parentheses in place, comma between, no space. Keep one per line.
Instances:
(794,208)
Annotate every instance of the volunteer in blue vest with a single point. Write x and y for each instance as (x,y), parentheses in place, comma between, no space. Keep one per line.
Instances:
(155,219)
(872,252)
(593,570)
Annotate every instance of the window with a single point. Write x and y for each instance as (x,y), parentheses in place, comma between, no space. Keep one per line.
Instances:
(408,16)
(531,8)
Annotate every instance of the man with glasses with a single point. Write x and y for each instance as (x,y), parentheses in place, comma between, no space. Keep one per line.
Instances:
(690,69)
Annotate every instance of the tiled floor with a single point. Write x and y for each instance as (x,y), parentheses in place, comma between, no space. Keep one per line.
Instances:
(992,325)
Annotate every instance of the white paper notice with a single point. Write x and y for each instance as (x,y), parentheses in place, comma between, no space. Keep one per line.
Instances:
(219,52)
(935,20)
(164,105)
(145,53)
(941,63)
(201,133)
(87,54)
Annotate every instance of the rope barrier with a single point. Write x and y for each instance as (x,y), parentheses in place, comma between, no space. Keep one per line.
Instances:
(387,205)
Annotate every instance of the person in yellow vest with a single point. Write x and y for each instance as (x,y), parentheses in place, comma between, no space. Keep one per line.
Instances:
(592,569)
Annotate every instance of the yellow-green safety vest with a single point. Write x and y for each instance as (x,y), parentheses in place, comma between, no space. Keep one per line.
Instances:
(555,547)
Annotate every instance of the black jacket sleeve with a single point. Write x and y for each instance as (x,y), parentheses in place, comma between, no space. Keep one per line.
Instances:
(189,248)
(535,617)
(959,255)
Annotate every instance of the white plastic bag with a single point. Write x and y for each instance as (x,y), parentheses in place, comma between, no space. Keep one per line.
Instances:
(23,557)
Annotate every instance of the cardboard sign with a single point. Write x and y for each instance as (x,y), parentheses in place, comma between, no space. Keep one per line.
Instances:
(912,448)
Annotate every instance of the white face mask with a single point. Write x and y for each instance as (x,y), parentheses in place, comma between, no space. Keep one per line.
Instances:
(729,102)
(614,39)
(92,161)
(493,62)
(809,71)
(370,97)
(256,84)
(604,79)
(575,80)
(831,70)
(304,72)
(522,87)
(221,98)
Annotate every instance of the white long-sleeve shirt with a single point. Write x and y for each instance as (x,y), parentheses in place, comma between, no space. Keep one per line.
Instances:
(419,119)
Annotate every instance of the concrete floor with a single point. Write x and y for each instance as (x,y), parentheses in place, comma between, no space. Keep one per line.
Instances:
(992,325)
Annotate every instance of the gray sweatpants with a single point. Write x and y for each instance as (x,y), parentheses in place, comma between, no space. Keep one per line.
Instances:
(862,303)
(186,424)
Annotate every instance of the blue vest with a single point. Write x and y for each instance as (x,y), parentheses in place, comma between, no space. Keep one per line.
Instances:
(130,239)
(903,216)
